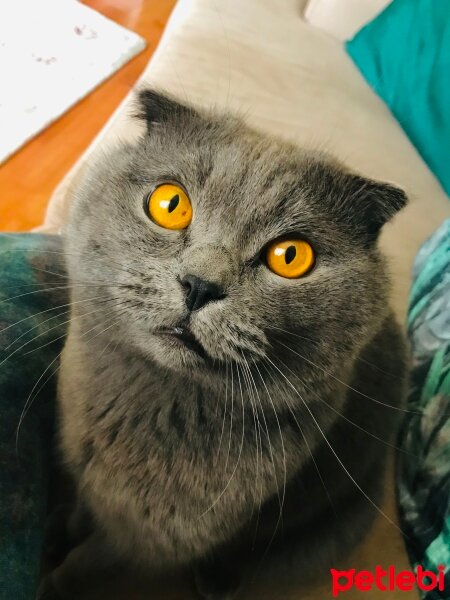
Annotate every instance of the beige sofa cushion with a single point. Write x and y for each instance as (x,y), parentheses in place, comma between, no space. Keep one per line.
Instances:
(342,18)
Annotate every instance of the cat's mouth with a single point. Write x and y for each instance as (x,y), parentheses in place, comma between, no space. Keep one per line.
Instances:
(184,336)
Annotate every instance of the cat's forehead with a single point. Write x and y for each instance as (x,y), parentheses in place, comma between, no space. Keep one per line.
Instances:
(242,180)
(245,188)
(250,188)
(250,197)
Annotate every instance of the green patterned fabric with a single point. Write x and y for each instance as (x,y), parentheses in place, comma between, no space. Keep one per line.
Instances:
(424,476)
(26,319)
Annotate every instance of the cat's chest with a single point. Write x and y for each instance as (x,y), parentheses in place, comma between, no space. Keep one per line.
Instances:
(167,471)
(146,417)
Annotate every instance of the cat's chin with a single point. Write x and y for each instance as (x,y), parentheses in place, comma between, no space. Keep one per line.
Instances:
(176,352)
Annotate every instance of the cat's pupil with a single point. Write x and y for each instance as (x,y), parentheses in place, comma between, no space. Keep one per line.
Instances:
(290,254)
(174,203)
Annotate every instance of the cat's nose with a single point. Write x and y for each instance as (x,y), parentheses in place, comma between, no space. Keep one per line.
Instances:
(199,291)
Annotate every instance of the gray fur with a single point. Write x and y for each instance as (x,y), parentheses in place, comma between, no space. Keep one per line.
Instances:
(145,424)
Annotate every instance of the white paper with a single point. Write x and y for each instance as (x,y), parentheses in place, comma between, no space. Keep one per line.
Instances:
(52,53)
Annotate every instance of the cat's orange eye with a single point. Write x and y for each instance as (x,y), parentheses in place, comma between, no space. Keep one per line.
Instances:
(290,258)
(169,207)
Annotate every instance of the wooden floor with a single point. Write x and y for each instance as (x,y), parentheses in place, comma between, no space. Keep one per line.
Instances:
(28,178)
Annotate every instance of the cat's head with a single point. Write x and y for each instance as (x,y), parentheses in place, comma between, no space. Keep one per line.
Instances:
(209,242)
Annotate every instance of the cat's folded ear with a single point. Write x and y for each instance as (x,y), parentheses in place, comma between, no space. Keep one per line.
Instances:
(156,108)
(370,203)
(363,205)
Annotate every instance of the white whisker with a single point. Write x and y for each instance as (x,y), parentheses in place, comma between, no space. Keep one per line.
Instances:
(224,411)
(337,412)
(358,358)
(258,441)
(352,479)
(45,332)
(281,499)
(239,455)
(231,418)
(32,396)
(397,408)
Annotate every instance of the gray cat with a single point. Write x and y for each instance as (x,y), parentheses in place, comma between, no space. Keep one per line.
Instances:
(232,366)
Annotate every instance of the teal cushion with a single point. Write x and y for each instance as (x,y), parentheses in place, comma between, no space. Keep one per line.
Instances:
(31,326)
(404,54)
